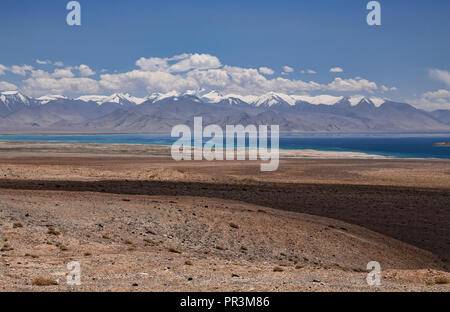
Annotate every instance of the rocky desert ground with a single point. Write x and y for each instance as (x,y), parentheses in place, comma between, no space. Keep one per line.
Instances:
(137,221)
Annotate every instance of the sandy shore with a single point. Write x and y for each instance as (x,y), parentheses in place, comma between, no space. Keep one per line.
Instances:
(155,150)
(143,222)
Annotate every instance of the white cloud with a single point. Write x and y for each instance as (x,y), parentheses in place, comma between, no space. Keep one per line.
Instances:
(179,63)
(2,69)
(213,79)
(439,94)
(153,64)
(85,70)
(41,86)
(196,61)
(340,84)
(336,70)
(39,73)
(433,100)
(21,70)
(63,73)
(287,69)
(138,81)
(386,89)
(45,62)
(59,64)
(181,73)
(308,71)
(266,71)
(6,86)
(441,75)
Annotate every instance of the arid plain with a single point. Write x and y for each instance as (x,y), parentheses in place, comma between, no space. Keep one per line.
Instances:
(138,221)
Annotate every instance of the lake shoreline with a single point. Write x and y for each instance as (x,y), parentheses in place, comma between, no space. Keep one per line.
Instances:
(30,147)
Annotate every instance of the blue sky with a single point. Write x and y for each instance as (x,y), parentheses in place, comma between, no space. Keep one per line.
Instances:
(408,54)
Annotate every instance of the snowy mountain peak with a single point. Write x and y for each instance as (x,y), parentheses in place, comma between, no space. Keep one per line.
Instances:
(319,99)
(123,99)
(119,98)
(10,93)
(365,101)
(212,97)
(272,98)
(157,96)
(14,98)
(48,98)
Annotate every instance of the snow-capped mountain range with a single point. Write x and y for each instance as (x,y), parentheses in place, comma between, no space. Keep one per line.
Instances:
(158,112)
(119,98)
(11,98)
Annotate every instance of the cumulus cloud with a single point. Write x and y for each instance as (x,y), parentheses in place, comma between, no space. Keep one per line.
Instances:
(63,73)
(180,73)
(6,86)
(439,94)
(336,70)
(340,84)
(386,89)
(433,100)
(266,71)
(179,63)
(440,75)
(196,61)
(85,70)
(59,64)
(138,81)
(39,73)
(21,70)
(2,69)
(153,64)
(287,69)
(50,85)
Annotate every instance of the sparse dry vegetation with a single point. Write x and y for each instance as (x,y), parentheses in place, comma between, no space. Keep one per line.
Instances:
(441,280)
(42,281)
(149,242)
(52,231)
(174,250)
(17,225)
(278,269)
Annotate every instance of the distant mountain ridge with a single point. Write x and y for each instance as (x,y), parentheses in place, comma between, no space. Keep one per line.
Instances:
(159,112)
